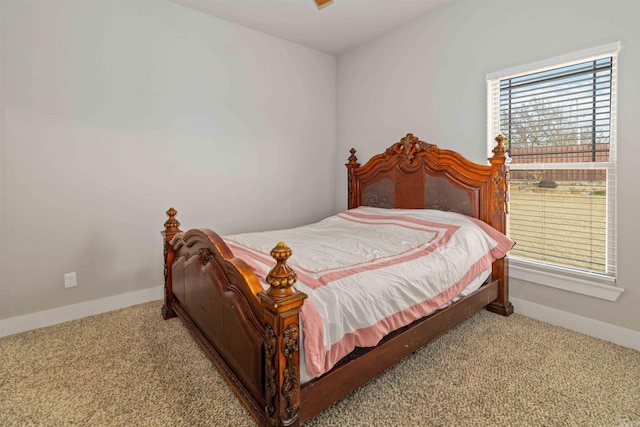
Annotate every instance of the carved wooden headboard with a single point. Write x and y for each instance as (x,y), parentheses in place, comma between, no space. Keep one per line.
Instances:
(413,174)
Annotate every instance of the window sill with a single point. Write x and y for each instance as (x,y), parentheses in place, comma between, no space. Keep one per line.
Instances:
(585,284)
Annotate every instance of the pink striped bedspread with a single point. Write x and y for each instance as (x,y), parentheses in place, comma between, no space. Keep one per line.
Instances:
(369,271)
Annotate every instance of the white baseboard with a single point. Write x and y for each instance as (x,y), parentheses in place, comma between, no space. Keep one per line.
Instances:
(14,325)
(595,328)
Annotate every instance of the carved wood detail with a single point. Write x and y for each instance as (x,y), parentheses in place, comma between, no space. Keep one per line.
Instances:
(500,150)
(270,344)
(171,228)
(291,382)
(282,304)
(206,256)
(352,183)
(499,212)
(409,147)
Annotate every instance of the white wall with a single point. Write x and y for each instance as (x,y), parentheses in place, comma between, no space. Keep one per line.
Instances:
(113,111)
(428,78)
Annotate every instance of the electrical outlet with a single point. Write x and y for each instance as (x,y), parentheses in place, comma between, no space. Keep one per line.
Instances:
(70,280)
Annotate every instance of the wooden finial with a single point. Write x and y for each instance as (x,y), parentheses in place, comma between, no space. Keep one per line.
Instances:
(500,150)
(171,226)
(281,278)
(353,160)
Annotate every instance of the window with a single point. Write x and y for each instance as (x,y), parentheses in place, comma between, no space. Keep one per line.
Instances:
(558,118)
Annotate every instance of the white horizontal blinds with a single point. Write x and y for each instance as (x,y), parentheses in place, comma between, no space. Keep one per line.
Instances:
(565,225)
(559,127)
(612,231)
(559,115)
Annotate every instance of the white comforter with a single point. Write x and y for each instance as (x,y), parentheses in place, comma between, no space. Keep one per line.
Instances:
(369,271)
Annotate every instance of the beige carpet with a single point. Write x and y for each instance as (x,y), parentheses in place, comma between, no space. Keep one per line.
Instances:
(131,368)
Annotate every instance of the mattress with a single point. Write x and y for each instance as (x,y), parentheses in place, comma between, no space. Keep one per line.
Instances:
(369,271)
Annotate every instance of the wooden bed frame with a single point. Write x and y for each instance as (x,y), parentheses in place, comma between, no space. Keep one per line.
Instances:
(252,335)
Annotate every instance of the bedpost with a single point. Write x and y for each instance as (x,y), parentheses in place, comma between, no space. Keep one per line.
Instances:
(499,213)
(171,228)
(353,164)
(282,304)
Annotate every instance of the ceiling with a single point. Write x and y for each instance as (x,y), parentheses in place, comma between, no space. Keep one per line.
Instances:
(335,28)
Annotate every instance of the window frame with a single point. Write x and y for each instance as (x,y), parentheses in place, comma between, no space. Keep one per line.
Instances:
(602,286)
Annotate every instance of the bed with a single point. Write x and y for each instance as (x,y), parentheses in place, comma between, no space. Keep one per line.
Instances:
(257,319)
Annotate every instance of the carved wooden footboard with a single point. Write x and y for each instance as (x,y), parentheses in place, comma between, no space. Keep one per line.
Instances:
(252,335)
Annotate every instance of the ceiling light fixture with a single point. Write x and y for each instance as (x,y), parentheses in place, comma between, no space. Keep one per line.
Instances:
(323,3)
